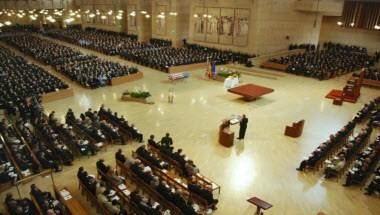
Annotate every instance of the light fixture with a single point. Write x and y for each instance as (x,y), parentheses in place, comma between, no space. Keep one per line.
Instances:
(87,11)
(121,11)
(78,16)
(339,23)
(143,12)
(91,15)
(110,12)
(196,15)
(52,20)
(69,20)
(204,15)
(119,17)
(352,24)
(1,24)
(133,13)
(173,13)
(209,16)
(377,27)
(7,23)
(147,16)
(103,17)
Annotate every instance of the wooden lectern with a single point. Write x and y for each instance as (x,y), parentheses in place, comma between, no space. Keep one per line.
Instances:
(226,136)
(295,130)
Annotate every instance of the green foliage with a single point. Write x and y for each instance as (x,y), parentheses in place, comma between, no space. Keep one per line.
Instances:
(138,94)
(228,73)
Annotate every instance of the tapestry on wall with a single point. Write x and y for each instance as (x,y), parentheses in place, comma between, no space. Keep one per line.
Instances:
(228,26)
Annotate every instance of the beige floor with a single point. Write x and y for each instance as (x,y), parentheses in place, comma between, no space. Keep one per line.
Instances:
(263,165)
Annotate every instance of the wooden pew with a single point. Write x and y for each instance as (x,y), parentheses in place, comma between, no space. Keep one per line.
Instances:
(152,192)
(93,199)
(125,134)
(274,66)
(72,204)
(122,191)
(36,205)
(182,187)
(200,179)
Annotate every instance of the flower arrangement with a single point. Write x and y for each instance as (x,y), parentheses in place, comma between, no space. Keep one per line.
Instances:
(229,73)
(138,94)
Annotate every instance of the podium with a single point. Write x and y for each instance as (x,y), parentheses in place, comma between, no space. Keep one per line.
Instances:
(226,136)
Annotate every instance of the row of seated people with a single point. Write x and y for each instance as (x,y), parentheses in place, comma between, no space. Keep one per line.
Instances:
(165,57)
(91,127)
(18,28)
(87,70)
(45,156)
(8,173)
(54,141)
(107,42)
(335,165)
(363,164)
(21,79)
(152,181)
(323,64)
(19,150)
(156,162)
(367,109)
(22,206)
(160,42)
(136,202)
(156,55)
(322,151)
(95,73)
(81,143)
(232,56)
(121,122)
(46,51)
(105,196)
(47,203)
(371,73)
(165,146)
(374,185)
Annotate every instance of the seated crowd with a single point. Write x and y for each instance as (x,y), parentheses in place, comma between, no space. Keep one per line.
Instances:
(369,110)
(371,73)
(111,43)
(87,70)
(47,203)
(107,197)
(364,163)
(19,206)
(157,54)
(326,147)
(332,61)
(337,163)
(21,79)
(374,185)
(19,150)
(8,172)
(120,122)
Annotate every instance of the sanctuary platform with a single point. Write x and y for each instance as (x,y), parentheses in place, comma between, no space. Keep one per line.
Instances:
(250,92)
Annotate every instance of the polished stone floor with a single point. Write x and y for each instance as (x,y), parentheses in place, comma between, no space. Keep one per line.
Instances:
(262,165)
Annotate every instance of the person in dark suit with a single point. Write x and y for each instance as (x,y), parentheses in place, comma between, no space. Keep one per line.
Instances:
(243,127)
(119,156)
(167,141)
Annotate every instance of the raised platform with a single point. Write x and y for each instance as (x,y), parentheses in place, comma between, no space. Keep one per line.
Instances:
(53,96)
(334,94)
(189,67)
(250,91)
(274,66)
(126,78)
(371,83)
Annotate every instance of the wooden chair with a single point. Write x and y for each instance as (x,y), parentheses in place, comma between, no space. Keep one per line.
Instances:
(295,130)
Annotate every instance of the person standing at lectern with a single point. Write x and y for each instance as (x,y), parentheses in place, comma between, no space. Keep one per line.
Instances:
(243,127)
